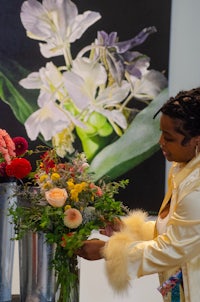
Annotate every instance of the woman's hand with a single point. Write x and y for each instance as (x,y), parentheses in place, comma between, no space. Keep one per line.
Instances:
(91,249)
(111,227)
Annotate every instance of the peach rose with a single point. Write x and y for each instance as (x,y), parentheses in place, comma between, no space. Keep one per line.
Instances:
(56,197)
(72,218)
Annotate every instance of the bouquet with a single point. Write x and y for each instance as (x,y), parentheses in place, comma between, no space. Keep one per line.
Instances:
(65,204)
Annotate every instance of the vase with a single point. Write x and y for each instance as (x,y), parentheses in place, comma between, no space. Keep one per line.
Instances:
(7,199)
(68,277)
(37,277)
(38,281)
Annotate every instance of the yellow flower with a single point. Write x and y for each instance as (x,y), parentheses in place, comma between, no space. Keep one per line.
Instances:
(74,195)
(43,177)
(78,188)
(70,184)
(55,176)
(56,197)
(67,207)
(47,185)
(72,218)
(84,185)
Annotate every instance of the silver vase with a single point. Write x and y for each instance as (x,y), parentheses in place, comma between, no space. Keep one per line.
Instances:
(7,245)
(37,278)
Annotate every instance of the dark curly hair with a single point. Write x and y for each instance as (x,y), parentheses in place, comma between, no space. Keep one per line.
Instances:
(185,106)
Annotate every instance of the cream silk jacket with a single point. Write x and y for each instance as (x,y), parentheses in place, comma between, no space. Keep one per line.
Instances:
(178,247)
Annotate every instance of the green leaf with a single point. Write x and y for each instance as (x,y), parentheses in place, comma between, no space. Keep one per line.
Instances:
(91,144)
(22,101)
(138,143)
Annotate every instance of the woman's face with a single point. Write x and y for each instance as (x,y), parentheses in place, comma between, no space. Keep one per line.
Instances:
(171,141)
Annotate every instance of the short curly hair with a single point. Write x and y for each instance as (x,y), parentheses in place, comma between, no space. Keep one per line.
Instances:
(185,106)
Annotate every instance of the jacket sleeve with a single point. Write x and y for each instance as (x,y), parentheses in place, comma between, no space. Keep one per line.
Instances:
(180,243)
(136,227)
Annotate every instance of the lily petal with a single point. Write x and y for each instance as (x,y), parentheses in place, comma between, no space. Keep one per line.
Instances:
(47,120)
(113,95)
(150,85)
(82,82)
(137,40)
(55,22)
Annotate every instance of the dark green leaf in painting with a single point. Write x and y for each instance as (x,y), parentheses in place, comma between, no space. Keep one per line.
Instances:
(138,143)
(23,102)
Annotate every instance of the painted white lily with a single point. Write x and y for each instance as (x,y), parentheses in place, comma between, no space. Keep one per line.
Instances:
(48,120)
(57,23)
(63,141)
(149,86)
(50,82)
(85,84)
(86,97)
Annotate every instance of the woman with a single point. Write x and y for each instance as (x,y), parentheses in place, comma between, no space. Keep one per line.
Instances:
(174,244)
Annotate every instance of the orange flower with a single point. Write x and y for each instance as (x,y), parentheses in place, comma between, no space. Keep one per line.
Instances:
(56,197)
(72,218)
(97,190)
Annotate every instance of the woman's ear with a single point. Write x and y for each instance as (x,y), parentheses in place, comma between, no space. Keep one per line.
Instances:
(197,145)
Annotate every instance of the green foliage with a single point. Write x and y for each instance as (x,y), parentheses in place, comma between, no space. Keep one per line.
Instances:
(138,143)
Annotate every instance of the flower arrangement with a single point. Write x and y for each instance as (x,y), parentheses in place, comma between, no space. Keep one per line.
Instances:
(66,205)
(12,163)
(89,100)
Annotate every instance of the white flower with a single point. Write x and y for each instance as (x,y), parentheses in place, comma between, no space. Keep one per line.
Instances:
(47,120)
(63,140)
(86,87)
(51,118)
(50,82)
(55,22)
(149,86)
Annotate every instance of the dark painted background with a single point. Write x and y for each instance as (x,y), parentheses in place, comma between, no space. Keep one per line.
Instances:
(127,17)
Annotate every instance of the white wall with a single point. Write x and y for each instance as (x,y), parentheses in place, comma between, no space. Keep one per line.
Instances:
(184,63)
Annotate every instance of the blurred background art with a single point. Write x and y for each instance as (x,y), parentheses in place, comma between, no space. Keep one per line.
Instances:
(146,186)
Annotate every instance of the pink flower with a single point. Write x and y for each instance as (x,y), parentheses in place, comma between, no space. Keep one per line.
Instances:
(56,197)
(97,190)
(73,218)
(7,146)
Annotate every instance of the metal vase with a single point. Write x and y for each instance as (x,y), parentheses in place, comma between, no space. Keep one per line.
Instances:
(37,278)
(7,245)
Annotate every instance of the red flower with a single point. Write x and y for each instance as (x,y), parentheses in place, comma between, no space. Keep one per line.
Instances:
(21,145)
(64,239)
(47,162)
(19,168)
